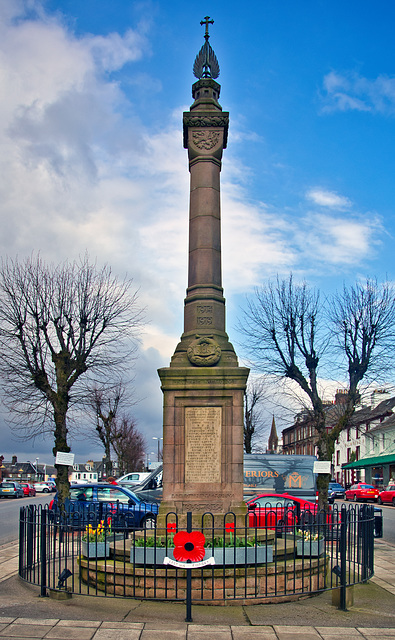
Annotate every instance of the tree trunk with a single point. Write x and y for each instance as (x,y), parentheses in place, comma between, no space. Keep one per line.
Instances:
(62,478)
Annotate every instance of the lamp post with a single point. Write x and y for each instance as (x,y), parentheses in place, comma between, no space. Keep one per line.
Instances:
(158,439)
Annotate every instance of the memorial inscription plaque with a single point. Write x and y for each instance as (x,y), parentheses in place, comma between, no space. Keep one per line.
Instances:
(203,444)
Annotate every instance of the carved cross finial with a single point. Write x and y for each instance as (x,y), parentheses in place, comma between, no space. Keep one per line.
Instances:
(207,21)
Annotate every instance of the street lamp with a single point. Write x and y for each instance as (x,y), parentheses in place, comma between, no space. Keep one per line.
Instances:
(158,439)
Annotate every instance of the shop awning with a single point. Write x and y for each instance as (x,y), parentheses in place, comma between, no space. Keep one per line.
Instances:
(374,461)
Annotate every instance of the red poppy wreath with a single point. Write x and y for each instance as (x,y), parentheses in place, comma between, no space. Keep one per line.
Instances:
(189,546)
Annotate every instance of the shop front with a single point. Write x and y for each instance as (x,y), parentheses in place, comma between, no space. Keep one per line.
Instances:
(379,470)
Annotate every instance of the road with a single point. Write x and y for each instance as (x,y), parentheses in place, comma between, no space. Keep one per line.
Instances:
(9,514)
(9,517)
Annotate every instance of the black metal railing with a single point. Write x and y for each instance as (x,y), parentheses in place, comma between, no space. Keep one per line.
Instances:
(271,554)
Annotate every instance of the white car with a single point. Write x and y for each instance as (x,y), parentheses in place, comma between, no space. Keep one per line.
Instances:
(136,477)
(44,487)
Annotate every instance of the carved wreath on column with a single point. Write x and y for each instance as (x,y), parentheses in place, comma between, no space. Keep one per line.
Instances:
(204,351)
(205,139)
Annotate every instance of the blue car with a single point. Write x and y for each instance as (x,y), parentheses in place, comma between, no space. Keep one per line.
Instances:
(92,503)
(335,490)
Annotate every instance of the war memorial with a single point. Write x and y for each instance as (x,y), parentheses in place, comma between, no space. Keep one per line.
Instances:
(206,546)
(204,386)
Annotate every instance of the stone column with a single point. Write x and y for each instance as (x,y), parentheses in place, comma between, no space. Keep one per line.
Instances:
(204,386)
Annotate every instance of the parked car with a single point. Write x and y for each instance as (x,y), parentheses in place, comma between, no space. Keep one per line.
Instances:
(388,495)
(276,510)
(9,489)
(45,487)
(28,489)
(136,477)
(362,491)
(151,488)
(91,503)
(335,490)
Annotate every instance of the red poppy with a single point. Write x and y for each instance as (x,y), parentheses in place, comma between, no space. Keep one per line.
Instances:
(189,546)
(230,527)
(171,526)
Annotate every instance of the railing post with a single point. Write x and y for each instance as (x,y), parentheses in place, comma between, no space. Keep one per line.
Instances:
(22,512)
(343,557)
(43,553)
(189,575)
(30,536)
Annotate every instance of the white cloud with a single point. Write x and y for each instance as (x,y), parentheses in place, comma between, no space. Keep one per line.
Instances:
(325,198)
(352,92)
(331,240)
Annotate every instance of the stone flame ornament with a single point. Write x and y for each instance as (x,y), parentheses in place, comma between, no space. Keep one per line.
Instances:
(206,63)
(204,351)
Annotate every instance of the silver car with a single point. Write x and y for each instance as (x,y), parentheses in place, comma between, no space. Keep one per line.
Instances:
(9,489)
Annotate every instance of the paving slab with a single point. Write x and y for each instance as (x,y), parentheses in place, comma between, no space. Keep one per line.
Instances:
(208,635)
(302,631)
(122,625)
(376,632)
(117,634)
(80,623)
(152,634)
(24,630)
(50,622)
(71,633)
(254,633)
(338,632)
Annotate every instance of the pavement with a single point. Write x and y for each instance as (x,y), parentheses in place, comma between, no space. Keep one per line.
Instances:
(24,614)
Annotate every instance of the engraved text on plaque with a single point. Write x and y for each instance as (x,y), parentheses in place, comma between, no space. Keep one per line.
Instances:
(203,444)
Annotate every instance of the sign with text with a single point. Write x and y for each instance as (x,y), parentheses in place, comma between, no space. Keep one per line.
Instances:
(322,466)
(65,458)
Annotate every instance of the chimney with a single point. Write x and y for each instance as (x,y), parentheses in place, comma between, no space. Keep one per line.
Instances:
(14,460)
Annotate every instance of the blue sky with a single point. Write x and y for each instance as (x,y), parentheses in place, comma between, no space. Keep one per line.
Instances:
(92,156)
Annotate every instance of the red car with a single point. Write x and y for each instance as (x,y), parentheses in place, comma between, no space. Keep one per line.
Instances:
(28,489)
(271,509)
(362,491)
(388,495)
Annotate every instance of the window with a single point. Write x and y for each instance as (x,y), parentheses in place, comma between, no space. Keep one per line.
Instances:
(338,458)
(348,434)
(111,494)
(81,493)
(357,453)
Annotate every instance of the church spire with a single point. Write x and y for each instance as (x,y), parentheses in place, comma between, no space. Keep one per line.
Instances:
(273,438)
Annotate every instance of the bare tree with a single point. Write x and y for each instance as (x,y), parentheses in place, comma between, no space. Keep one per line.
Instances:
(128,444)
(253,397)
(363,327)
(105,404)
(58,325)
(287,336)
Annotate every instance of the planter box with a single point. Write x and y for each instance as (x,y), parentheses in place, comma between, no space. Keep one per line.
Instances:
(101,549)
(241,555)
(227,556)
(310,547)
(93,550)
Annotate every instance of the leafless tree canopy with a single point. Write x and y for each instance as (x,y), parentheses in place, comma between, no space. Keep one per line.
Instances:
(253,422)
(128,444)
(59,324)
(363,321)
(104,404)
(288,335)
(284,327)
